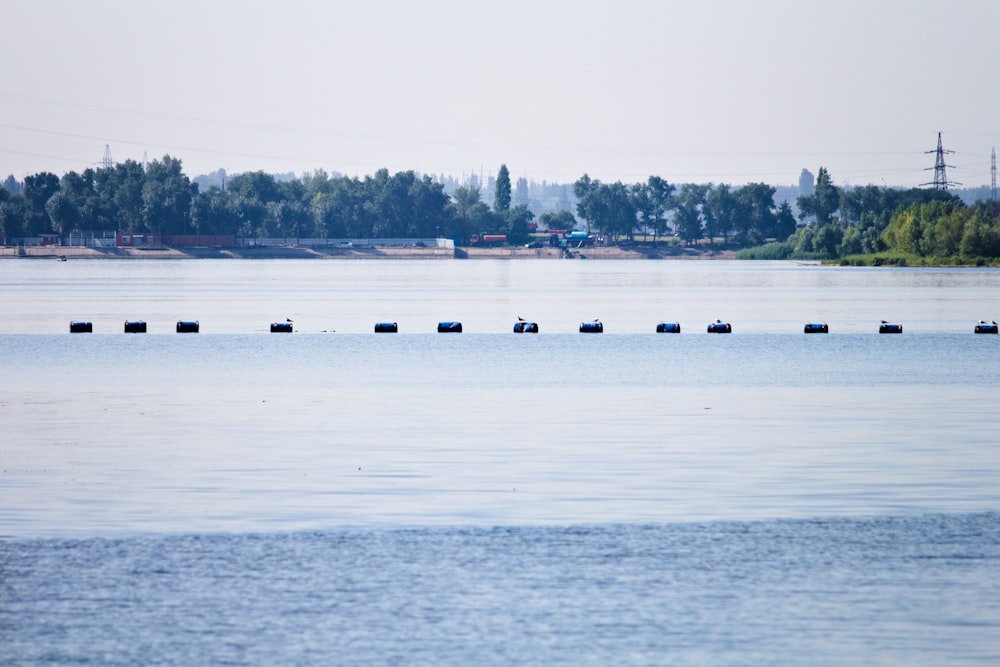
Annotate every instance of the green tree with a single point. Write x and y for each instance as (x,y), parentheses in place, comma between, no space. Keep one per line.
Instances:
(720,211)
(64,216)
(13,217)
(855,202)
(904,232)
(619,211)
(932,229)
(756,220)
(501,199)
(690,202)
(342,211)
(166,197)
(946,233)
(37,191)
(430,208)
(585,190)
(119,197)
(213,212)
(826,239)
(653,200)
(255,185)
(608,209)
(78,189)
(823,202)
(517,220)
(252,214)
(470,214)
(784,222)
(557,220)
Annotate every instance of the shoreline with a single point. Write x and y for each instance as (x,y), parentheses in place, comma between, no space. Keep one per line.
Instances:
(367,253)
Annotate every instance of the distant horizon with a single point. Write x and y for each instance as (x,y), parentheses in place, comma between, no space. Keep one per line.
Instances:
(927,156)
(485,176)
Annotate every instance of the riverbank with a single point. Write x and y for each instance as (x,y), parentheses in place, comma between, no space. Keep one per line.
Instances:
(292,252)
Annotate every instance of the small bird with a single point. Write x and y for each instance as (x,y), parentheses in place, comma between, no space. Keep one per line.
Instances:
(521,319)
(288,319)
(884,322)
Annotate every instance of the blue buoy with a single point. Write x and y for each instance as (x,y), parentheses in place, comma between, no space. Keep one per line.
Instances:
(386,327)
(281,327)
(187,327)
(814,327)
(718,326)
(668,327)
(889,328)
(984,328)
(135,326)
(449,327)
(592,327)
(81,327)
(522,326)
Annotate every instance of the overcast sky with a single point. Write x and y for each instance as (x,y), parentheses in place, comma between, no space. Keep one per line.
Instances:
(690,90)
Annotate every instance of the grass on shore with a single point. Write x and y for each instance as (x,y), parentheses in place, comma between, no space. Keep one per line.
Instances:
(904,259)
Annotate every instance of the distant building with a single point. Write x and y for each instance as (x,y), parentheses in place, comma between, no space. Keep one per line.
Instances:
(807,183)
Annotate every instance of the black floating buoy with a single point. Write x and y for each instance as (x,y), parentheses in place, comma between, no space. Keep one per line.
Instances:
(387,327)
(668,327)
(81,327)
(187,327)
(816,327)
(523,326)
(592,327)
(281,327)
(718,326)
(986,328)
(890,328)
(449,327)
(135,326)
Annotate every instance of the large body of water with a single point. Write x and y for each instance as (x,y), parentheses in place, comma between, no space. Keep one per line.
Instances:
(339,496)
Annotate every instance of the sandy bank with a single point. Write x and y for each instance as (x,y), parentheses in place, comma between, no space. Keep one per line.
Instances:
(609,252)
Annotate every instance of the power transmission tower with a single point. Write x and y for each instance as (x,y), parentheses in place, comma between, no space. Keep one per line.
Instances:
(941,181)
(107,162)
(993,173)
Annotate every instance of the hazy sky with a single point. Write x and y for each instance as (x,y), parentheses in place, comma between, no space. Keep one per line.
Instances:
(690,90)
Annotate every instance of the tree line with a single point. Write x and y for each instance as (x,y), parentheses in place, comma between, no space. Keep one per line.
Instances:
(745,215)
(160,198)
(832,222)
(872,225)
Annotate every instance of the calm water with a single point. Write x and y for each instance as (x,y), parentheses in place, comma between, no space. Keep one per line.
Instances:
(485,498)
